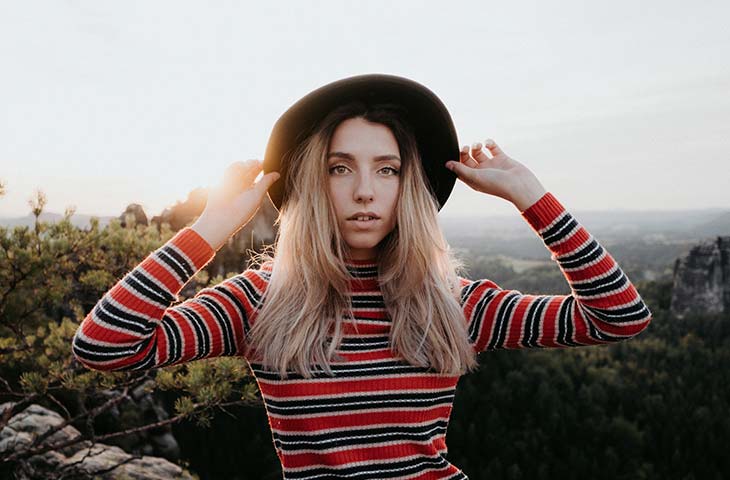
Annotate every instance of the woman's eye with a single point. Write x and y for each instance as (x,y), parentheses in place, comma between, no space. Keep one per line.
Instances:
(341,169)
(338,169)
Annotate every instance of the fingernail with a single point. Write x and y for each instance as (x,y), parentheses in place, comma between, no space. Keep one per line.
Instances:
(476,146)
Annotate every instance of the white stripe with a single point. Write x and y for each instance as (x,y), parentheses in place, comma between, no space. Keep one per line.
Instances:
(358,427)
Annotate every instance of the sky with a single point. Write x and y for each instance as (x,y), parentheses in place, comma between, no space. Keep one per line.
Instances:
(617,105)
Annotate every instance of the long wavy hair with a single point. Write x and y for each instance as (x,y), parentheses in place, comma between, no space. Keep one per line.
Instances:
(299,322)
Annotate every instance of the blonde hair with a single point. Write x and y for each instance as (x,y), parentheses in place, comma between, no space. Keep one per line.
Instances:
(306,298)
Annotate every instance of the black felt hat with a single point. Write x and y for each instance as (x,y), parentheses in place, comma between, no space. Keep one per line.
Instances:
(427,115)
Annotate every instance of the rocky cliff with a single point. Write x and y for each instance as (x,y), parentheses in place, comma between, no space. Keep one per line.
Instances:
(702,279)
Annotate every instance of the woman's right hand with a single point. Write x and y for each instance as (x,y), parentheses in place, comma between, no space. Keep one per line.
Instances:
(233,203)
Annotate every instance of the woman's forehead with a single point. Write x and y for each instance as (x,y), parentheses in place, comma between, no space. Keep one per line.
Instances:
(357,137)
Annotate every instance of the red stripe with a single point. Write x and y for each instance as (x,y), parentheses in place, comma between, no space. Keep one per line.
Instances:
(335,420)
(392,451)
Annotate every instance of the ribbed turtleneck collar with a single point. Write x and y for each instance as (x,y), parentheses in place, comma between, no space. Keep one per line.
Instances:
(356,263)
(362,270)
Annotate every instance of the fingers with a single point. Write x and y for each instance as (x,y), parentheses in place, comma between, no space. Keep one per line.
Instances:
(465,158)
(478,153)
(266,181)
(241,176)
(493,147)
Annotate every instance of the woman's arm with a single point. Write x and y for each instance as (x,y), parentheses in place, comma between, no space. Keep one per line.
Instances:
(133,326)
(603,308)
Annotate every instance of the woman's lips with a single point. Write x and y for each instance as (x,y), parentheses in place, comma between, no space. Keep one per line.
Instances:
(364,224)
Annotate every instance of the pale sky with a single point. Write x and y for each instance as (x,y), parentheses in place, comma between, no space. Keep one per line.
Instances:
(613,105)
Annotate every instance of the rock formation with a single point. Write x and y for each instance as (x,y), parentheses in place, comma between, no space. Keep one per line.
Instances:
(702,279)
(80,460)
(137,212)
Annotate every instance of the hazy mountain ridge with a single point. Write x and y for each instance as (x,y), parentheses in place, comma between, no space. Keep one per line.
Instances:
(645,243)
(654,225)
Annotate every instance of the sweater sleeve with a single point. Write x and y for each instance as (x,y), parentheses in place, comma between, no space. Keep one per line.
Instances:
(133,326)
(604,306)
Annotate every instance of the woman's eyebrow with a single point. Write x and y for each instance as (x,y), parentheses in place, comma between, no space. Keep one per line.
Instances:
(347,156)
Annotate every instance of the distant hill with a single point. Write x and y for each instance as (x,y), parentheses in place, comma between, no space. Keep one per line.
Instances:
(609,226)
(81,221)
(718,226)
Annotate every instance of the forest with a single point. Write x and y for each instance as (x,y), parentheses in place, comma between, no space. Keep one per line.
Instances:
(649,408)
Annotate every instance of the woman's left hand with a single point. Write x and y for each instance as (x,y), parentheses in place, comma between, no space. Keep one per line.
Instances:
(491,171)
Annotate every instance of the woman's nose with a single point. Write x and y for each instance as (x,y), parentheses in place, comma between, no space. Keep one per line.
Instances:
(364,189)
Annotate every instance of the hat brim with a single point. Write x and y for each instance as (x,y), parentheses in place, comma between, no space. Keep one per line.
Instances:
(429,118)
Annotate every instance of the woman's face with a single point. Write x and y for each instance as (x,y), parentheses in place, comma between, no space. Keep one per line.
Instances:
(364,164)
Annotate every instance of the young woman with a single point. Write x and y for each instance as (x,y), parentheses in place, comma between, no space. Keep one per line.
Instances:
(358,327)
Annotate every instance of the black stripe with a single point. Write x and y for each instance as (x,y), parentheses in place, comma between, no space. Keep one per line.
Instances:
(616,285)
(239,305)
(583,261)
(360,436)
(549,234)
(388,469)
(221,316)
(364,344)
(349,370)
(367,301)
(565,323)
(173,260)
(595,287)
(360,397)
(145,284)
(363,340)
(479,311)
(362,402)
(174,339)
(580,253)
(122,319)
(467,290)
(249,289)
(363,272)
(501,323)
(101,353)
(633,313)
(201,336)
(146,362)
(189,268)
(531,334)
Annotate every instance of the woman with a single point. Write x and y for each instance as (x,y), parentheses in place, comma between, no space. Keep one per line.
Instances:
(358,327)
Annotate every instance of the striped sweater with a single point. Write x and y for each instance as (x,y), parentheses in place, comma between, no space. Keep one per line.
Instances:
(377,417)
